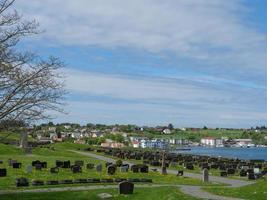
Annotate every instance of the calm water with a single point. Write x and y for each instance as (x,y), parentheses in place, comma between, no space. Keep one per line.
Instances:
(241,153)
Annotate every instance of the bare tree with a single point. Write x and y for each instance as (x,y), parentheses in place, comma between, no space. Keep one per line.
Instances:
(29,85)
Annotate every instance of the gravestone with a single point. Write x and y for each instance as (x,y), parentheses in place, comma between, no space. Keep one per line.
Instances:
(99,168)
(243,173)
(10,162)
(205,175)
(126,187)
(76,169)
(180,173)
(29,169)
(124,169)
(16,165)
(54,170)
(66,164)
(90,166)
(3,172)
(79,163)
(111,169)
(144,169)
(59,163)
(38,166)
(22,182)
(135,169)
(223,174)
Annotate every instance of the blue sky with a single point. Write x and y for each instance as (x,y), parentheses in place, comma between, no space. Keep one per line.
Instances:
(153,62)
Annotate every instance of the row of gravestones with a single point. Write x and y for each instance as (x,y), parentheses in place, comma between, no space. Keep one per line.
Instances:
(111,168)
(229,166)
(24,182)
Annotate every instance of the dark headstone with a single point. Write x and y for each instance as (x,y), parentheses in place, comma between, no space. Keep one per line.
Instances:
(3,172)
(223,174)
(16,165)
(111,169)
(59,163)
(126,187)
(243,173)
(66,164)
(180,173)
(76,169)
(135,169)
(144,169)
(38,166)
(22,182)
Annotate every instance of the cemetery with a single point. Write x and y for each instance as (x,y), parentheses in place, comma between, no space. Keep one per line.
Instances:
(55,166)
(223,167)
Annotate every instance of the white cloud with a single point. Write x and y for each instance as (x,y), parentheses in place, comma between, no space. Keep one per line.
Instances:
(209,30)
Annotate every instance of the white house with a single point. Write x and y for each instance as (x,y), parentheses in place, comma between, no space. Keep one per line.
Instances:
(167,131)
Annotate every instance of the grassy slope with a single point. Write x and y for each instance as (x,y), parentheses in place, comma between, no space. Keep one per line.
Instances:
(163,193)
(59,152)
(257,191)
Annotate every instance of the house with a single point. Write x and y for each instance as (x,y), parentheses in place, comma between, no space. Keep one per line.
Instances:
(244,142)
(166,131)
(112,145)
(96,134)
(210,141)
(42,139)
(155,143)
(179,142)
(135,144)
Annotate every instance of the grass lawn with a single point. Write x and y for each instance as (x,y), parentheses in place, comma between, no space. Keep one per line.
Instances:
(162,193)
(60,152)
(257,191)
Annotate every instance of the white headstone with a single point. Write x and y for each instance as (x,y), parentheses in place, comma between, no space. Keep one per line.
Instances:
(29,169)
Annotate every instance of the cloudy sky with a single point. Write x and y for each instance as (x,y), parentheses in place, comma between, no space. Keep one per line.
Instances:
(149,62)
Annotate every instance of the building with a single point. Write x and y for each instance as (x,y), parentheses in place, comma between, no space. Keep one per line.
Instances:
(135,144)
(244,142)
(210,141)
(181,142)
(155,144)
(166,131)
(112,145)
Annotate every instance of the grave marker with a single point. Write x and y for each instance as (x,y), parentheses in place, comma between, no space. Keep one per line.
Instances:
(126,187)
(205,175)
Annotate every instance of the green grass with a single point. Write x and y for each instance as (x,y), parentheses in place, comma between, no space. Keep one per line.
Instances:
(256,191)
(59,151)
(162,193)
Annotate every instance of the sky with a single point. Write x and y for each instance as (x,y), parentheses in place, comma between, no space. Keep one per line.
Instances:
(152,62)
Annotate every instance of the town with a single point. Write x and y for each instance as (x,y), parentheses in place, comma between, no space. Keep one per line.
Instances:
(160,137)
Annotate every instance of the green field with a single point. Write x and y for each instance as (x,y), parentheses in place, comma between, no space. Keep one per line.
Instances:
(60,152)
(162,193)
(257,191)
